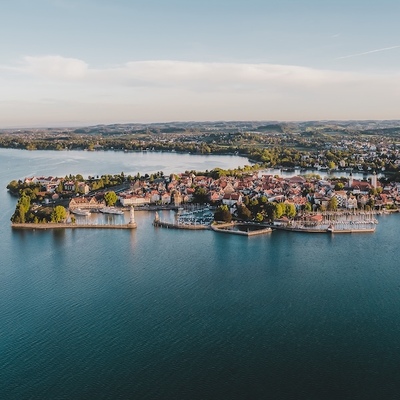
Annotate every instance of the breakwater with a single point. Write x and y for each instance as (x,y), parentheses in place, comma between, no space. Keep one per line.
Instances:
(240,229)
(72,226)
(171,225)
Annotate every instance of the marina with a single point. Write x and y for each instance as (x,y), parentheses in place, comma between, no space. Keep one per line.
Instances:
(333,222)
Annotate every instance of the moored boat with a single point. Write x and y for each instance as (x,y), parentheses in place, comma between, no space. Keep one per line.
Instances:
(111,210)
(79,211)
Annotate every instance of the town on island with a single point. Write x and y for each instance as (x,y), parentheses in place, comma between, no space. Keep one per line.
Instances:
(247,201)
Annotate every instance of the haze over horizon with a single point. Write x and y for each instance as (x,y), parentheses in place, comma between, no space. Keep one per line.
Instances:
(74,63)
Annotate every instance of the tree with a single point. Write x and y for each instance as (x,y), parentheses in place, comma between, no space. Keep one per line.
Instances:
(290,210)
(13,186)
(110,198)
(222,213)
(270,209)
(259,217)
(280,210)
(243,212)
(308,207)
(59,214)
(200,195)
(21,209)
(333,204)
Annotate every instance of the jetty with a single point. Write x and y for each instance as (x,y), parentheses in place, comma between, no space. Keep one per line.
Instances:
(177,225)
(73,225)
(51,225)
(244,229)
(171,225)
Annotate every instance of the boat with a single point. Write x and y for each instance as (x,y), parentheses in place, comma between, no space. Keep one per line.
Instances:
(330,228)
(79,211)
(111,210)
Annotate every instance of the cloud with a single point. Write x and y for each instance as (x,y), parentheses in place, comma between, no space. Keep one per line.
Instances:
(369,52)
(191,75)
(162,90)
(55,67)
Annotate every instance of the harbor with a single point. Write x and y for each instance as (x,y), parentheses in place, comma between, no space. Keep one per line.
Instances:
(81,221)
(243,229)
(51,225)
(331,222)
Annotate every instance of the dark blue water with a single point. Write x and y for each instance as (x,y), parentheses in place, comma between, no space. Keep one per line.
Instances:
(170,314)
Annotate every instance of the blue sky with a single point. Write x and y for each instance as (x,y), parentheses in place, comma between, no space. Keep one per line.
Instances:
(77,62)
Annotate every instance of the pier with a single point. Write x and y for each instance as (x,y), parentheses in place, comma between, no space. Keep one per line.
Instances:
(241,229)
(51,225)
(171,225)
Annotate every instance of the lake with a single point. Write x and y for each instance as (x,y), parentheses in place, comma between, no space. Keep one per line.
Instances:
(171,314)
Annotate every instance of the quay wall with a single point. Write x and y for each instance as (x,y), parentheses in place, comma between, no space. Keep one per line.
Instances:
(71,226)
(180,226)
(221,228)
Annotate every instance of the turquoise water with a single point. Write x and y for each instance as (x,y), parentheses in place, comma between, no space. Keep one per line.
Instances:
(170,314)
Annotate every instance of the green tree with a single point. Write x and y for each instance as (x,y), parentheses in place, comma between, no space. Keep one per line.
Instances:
(308,207)
(290,210)
(280,210)
(270,210)
(333,204)
(59,214)
(13,186)
(222,213)
(21,209)
(243,212)
(200,195)
(339,186)
(259,217)
(110,198)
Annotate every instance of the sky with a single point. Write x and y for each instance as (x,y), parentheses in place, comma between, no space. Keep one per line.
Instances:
(86,62)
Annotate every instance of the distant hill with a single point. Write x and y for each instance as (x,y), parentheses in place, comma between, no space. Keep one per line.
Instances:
(270,128)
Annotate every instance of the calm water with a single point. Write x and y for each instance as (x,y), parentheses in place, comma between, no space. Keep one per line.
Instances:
(164,314)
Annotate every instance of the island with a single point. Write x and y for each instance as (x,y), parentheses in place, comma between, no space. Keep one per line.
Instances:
(301,203)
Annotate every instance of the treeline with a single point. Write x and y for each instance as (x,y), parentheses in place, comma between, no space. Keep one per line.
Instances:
(272,150)
(25,212)
(258,209)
